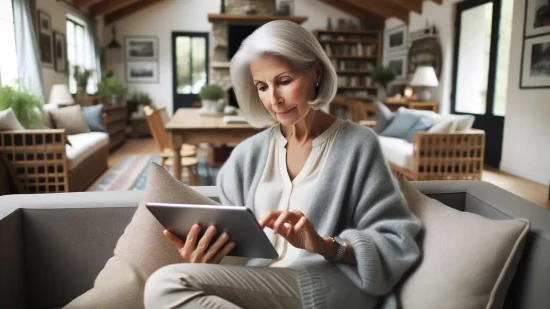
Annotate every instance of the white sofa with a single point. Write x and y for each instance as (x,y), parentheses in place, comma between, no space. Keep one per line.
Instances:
(450,149)
(45,162)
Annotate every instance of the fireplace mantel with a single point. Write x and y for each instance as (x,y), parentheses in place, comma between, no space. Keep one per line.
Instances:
(232,18)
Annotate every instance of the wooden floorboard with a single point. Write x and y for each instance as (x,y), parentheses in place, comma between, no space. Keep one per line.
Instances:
(529,190)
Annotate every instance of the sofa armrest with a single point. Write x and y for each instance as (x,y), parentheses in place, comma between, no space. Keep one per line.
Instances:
(12,265)
(448,156)
(39,158)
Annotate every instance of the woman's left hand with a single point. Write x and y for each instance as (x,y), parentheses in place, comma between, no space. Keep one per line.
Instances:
(296,228)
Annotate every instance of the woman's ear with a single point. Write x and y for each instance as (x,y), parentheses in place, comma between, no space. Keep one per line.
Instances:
(318,71)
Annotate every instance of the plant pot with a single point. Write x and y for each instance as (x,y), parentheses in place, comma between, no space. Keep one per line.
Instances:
(382,94)
(212,106)
(81,92)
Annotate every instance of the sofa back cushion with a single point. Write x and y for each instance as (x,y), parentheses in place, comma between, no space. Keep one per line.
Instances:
(69,118)
(8,120)
(461,122)
(401,125)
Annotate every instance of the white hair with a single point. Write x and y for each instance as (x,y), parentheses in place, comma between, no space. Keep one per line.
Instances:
(290,41)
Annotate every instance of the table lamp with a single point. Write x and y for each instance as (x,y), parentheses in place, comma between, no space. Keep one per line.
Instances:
(60,95)
(424,77)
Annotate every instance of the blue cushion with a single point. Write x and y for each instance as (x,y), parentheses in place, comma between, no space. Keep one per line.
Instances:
(401,124)
(421,125)
(93,115)
(383,117)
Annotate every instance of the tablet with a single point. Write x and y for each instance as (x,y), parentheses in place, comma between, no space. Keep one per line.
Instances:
(238,221)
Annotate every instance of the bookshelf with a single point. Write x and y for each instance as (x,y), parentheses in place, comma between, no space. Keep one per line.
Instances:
(354,54)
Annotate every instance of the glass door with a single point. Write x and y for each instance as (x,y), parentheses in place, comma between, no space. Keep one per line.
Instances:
(190,67)
(480,70)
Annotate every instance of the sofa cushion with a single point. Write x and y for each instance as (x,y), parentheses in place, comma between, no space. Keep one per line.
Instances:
(444,126)
(462,122)
(69,118)
(421,125)
(8,120)
(141,250)
(383,117)
(401,124)
(467,259)
(84,145)
(397,150)
(93,115)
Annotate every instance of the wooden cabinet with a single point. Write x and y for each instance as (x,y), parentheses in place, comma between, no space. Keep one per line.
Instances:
(115,123)
(395,104)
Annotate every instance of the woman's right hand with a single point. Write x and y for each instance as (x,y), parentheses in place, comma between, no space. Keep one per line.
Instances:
(193,250)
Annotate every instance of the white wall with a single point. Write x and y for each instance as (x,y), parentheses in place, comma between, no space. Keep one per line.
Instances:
(190,15)
(58,12)
(526,150)
(443,17)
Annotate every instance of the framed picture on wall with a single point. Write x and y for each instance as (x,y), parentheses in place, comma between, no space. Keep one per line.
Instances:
(535,63)
(537,17)
(395,39)
(60,51)
(142,72)
(45,39)
(142,48)
(398,64)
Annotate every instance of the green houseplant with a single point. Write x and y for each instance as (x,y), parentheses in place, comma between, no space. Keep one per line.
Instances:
(383,76)
(24,105)
(211,96)
(81,77)
(140,97)
(112,89)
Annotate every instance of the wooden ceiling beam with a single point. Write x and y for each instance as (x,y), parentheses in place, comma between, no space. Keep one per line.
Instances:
(86,3)
(382,8)
(367,17)
(411,5)
(128,10)
(109,6)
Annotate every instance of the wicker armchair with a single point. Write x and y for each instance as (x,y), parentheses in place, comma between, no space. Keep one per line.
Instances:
(445,156)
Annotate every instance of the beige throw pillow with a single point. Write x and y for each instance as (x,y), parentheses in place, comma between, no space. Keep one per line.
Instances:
(9,121)
(468,260)
(69,118)
(141,250)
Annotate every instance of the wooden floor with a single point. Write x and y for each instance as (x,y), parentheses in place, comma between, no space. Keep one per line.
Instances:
(529,190)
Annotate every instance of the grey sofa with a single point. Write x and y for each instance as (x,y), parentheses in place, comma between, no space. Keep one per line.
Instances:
(53,246)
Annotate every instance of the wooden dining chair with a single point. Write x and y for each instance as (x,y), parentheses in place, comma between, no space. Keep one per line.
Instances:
(189,160)
(186,149)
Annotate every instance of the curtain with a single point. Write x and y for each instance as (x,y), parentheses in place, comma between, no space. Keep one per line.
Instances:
(26,41)
(94,54)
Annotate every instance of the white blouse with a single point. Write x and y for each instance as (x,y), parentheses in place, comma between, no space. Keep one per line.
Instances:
(276,191)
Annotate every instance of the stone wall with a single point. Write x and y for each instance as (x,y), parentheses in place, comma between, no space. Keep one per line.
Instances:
(242,6)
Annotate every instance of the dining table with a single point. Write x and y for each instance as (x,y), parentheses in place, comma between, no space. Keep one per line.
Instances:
(190,126)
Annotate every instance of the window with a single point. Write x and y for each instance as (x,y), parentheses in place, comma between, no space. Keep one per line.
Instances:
(8,54)
(77,49)
(191,66)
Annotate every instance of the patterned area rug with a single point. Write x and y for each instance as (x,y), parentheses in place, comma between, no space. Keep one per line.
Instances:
(131,174)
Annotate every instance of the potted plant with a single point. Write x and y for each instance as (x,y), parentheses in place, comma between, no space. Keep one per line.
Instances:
(212,99)
(139,97)
(81,76)
(112,89)
(26,106)
(383,76)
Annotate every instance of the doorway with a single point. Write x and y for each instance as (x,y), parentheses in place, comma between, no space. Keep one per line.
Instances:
(480,68)
(190,63)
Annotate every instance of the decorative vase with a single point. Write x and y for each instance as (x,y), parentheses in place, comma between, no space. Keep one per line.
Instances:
(382,94)
(81,92)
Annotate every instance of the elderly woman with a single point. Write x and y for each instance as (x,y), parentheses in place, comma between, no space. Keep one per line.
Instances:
(319,186)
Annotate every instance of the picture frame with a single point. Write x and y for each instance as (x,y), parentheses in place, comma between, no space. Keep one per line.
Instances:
(398,63)
(537,18)
(45,38)
(60,52)
(142,72)
(286,8)
(141,48)
(535,63)
(395,39)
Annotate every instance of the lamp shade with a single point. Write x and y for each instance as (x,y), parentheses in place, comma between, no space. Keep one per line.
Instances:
(60,94)
(424,76)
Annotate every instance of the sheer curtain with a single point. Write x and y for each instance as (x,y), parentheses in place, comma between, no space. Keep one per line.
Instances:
(93,55)
(28,55)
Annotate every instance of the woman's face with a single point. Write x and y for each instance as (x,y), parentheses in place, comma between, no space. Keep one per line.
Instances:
(283,89)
